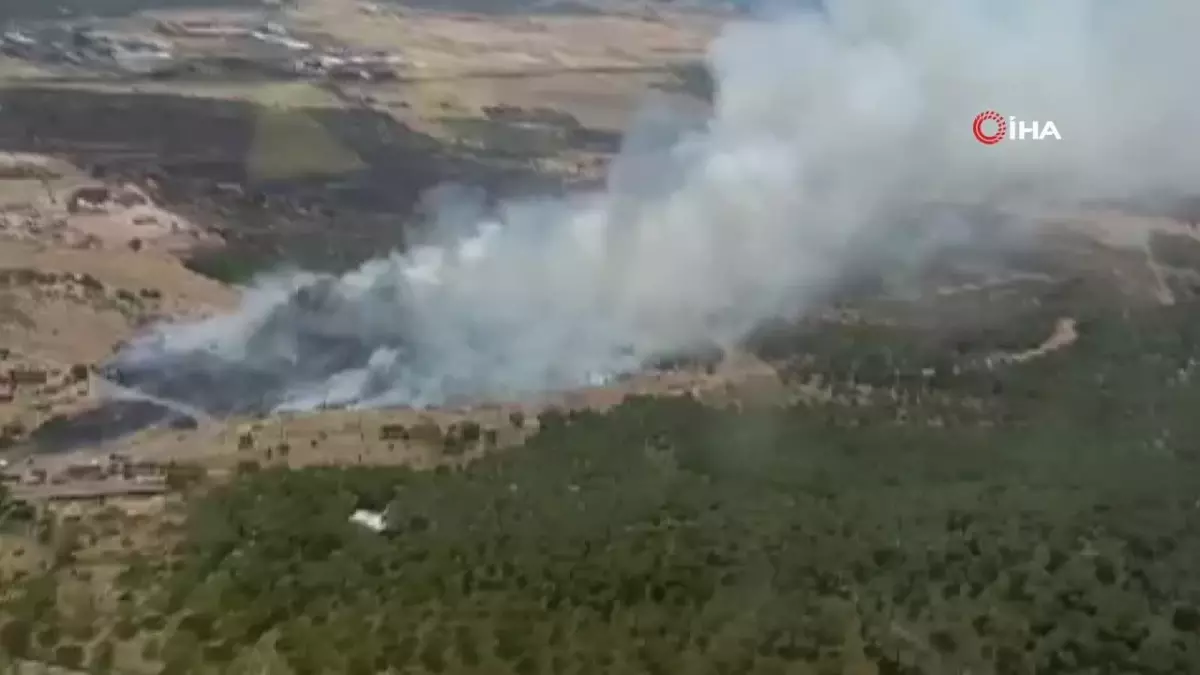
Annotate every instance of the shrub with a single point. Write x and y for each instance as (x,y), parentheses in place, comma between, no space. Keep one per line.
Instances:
(247,466)
(182,477)
(69,656)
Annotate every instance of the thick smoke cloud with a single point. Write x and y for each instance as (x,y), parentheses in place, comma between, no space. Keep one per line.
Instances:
(828,127)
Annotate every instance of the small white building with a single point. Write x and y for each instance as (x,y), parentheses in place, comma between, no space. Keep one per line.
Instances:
(273,33)
(19,39)
(373,520)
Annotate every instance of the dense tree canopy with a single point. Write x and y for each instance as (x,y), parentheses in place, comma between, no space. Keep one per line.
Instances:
(1038,517)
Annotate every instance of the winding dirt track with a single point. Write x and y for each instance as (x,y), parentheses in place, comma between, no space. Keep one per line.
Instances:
(1064,335)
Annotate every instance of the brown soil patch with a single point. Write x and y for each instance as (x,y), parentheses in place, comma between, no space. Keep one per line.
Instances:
(52,315)
(72,288)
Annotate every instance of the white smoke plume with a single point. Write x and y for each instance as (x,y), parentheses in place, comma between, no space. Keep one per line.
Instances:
(827,127)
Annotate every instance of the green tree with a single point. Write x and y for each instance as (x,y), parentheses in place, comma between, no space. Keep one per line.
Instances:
(16,638)
(103,656)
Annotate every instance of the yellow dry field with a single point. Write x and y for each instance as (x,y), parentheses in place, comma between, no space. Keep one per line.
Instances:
(444,43)
(597,68)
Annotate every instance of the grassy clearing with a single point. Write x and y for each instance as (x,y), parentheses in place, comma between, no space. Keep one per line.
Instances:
(289,144)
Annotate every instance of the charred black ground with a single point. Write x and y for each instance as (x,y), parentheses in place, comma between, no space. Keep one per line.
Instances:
(109,422)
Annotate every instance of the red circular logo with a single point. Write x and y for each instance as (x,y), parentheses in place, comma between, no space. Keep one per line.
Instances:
(986,138)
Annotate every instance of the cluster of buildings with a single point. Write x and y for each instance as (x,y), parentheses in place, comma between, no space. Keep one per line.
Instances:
(129,52)
(343,64)
(118,476)
(176,42)
(84,47)
(312,61)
